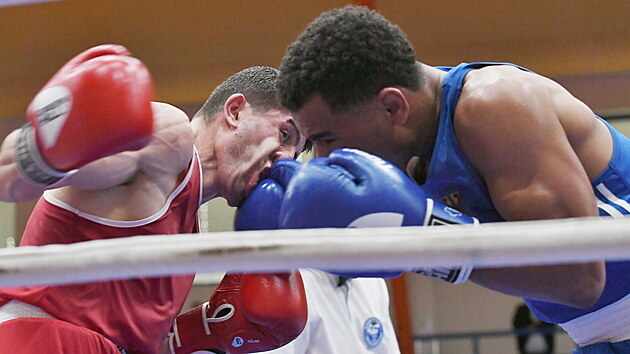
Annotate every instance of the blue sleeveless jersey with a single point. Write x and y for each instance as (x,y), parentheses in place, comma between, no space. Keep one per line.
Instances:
(452,179)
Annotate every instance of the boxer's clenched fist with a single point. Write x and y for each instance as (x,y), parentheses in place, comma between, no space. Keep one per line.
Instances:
(261,209)
(96,105)
(247,313)
(351,188)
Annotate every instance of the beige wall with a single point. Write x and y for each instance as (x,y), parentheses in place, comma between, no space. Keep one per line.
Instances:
(438,307)
(7,224)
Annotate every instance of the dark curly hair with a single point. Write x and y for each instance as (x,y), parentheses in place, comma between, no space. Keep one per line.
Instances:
(257,84)
(346,55)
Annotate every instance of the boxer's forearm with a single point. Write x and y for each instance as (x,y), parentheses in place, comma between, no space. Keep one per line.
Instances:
(575,285)
(104,173)
(168,152)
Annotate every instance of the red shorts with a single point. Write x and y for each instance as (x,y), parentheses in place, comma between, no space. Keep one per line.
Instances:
(44,335)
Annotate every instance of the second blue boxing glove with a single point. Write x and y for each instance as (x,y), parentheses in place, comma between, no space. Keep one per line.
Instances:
(261,209)
(351,188)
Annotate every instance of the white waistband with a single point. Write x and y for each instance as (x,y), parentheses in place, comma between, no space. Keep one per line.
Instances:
(608,324)
(17,309)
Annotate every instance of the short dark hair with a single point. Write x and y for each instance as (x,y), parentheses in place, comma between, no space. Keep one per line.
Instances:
(346,55)
(257,84)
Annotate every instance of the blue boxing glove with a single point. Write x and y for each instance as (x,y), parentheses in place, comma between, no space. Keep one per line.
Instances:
(261,209)
(351,188)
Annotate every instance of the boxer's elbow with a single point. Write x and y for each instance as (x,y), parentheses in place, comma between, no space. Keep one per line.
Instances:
(12,189)
(588,285)
(17,192)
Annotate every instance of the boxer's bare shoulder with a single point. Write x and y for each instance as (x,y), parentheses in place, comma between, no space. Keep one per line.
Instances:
(530,126)
(172,146)
(507,96)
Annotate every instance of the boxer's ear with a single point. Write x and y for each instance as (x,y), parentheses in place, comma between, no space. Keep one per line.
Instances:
(231,109)
(395,104)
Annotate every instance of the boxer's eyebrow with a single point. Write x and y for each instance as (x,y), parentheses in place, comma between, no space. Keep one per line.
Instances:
(296,132)
(296,137)
(318,136)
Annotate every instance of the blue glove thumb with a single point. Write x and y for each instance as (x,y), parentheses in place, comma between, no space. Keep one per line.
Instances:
(261,209)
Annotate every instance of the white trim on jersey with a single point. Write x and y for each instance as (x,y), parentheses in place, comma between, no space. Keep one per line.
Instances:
(608,209)
(123,223)
(613,198)
(608,324)
(18,309)
(196,157)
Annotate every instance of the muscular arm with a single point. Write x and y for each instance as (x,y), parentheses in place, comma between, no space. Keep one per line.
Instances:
(168,152)
(510,127)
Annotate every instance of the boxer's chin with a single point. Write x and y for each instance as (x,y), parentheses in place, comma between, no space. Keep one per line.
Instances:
(251,184)
(248,189)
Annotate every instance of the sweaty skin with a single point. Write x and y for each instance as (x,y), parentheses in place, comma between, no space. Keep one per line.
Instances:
(546,146)
(535,145)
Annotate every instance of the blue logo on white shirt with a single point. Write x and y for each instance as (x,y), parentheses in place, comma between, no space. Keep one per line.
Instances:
(237,342)
(372,332)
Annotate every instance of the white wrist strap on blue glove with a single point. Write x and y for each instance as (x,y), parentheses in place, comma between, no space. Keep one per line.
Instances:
(451,275)
(439,214)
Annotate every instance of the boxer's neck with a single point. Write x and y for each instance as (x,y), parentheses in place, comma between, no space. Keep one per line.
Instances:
(426,111)
(204,138)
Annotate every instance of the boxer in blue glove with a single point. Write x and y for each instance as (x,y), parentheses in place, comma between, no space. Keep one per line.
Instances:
(352,188)
(261,210)
(492,139)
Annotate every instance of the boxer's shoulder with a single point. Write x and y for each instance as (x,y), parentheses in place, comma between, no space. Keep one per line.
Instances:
(496,100)
(167,112)
(171,149)
(499,87)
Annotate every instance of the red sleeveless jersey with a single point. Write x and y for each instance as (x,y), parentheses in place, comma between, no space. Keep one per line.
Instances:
(135,314)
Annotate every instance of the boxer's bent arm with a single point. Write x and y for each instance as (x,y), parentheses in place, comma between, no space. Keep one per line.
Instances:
(168,152)
(533,174)
(171,148)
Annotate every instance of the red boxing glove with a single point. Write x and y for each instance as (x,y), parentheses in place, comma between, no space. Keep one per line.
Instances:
(96,105)
(247,313)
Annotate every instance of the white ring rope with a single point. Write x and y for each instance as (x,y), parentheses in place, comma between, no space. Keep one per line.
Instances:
(495,244)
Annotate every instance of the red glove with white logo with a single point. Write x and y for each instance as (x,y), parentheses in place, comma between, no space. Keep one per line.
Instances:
(96,105)
(247,313)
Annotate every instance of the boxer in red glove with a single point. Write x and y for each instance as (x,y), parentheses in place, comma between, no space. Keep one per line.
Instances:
(110,163)
(247,313)
(106,84)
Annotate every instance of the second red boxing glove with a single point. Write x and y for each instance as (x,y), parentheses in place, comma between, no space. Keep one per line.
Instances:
(247,313)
